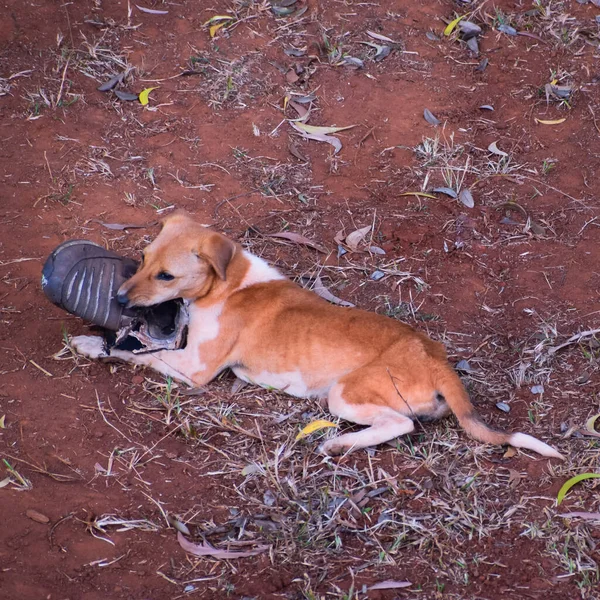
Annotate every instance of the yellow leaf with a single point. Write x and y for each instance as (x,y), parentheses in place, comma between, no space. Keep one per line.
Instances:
(552,122)
(285,102)
(314,426)
(214,28)
(450,27)
(144,95)
(218,18)
(2,425)
(590,424)
(571,482)
(554,82)
(324,130)
(423,194)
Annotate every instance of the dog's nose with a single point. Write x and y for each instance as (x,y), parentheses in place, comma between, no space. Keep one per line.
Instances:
(122,298)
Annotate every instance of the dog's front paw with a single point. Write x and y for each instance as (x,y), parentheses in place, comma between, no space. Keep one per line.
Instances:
(91,346)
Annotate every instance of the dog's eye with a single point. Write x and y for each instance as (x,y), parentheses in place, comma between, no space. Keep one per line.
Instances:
(164,276)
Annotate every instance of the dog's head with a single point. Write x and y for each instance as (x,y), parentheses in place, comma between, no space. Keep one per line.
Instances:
(184,261)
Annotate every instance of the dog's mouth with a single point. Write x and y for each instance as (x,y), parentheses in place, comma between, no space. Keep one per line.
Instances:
(151,328)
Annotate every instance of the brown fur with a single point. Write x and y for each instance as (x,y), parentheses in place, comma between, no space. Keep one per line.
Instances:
(374,370)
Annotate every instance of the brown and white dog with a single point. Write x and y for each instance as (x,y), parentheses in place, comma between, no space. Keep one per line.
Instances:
(246,316)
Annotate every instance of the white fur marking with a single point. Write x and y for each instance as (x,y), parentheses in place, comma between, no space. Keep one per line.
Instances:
(259,271)
(290,382)
(522,440)
(205,323)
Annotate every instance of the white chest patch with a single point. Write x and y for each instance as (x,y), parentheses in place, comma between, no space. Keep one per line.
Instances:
(204,323)
(259,272)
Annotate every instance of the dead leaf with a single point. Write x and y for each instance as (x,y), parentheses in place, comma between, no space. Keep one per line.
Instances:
(251,469)
(356,237)
(125,96)
(581,515)
(325,130)
(213,29)
(452,25)
(507,29)
(382,51)
(590,426)
(294,151)
(36,516)
(152,11)
(320,289)
(144,95)
(514,478)
(466,198)
(319,137)
(119,226)
(295,51)
(178,525)
(351,61)
(206,549)
(390,585)
(238,385)
(314,426)
(111,83)
(422,194)
(430,118)
(445,190)
(551,122)
(303,112)
(381,38)
(298,239)
(493,148)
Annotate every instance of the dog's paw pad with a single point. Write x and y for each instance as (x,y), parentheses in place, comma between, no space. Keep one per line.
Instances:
(91,346)
(331,448)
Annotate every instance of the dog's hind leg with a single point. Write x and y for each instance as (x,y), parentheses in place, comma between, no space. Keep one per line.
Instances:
(384,428)
(384,422)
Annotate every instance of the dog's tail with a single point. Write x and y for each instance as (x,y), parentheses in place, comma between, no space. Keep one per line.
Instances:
(451,387)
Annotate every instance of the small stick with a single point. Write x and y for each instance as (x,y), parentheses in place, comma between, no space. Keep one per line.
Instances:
(62,83)
(48,165)
(41,368)
(573,340)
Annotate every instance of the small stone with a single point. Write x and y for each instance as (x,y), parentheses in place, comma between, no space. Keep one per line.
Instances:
(503,407)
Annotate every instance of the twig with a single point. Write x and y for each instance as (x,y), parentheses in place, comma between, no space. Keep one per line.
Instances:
(107,421)
(48,165)
(41,368)
(60,91)
(574,340)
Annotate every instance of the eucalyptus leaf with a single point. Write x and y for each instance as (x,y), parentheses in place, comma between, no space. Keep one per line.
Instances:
(430,118)
(466,198)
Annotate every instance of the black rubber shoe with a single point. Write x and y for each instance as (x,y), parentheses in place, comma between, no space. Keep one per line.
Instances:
(83,278)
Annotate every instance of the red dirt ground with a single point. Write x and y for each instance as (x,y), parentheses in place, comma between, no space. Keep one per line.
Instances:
(497,289)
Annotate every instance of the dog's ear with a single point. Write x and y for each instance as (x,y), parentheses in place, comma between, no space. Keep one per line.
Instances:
(218,250)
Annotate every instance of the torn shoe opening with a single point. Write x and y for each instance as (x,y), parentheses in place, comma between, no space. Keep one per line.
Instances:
(160,327)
